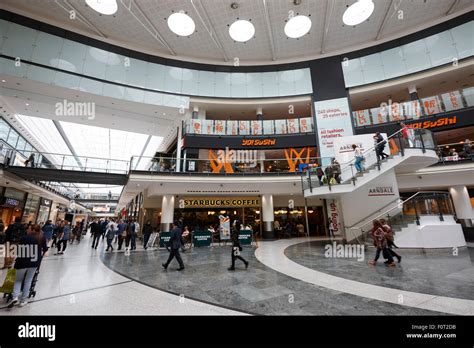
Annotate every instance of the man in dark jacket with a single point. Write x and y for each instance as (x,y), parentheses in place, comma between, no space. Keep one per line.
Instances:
(147,231)
(96,231)
(15,231)
(236,247)
(175,243)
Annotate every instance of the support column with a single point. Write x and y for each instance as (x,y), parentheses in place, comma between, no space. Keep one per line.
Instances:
(167,212)
(462,205)
(259,114)
(267,217)
(195,113)
(179,145)
(413,92)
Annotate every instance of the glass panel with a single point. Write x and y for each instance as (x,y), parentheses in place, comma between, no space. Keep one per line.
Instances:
(20,146)
(393,63)
(469,95)
(268,127)
(19,41)
(372,69)
(4,128)
(238,85)
(12,138)
(440,48)
(416,57)
(352,72)
(452,100)
(462,36)
(47,49)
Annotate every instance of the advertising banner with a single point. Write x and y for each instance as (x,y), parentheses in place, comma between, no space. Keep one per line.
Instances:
(362,118)
(196,127)
(431,105)
(280,127)
(244,127)
(164,238)
(333,120)
(293,126)
(379,115)
(306,125)
(412,109)
(268,127)
(335,219)
(256,127)
(232,127)
(452,100)
(219,126)
(224,228)
(207,127)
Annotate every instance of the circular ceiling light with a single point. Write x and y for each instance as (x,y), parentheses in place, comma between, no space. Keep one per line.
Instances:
(181,24)
(106,7)
(241,30)
(297,27)
(358,12)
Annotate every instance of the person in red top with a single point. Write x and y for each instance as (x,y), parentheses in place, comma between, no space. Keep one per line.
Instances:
(380,242)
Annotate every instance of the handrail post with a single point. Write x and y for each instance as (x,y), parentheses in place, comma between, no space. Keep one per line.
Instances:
(422,142)
(62,163)
(352,173)
(440,210)
(416,212)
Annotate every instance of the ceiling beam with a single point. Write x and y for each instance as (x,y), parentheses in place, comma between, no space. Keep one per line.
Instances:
(327,17)
(386,18)
(67,142)
(266,14)
(204,18)
(452,7)
(148,25)
(80,16)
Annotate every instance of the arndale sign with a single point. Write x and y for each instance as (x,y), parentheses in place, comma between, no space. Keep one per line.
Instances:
(381,191)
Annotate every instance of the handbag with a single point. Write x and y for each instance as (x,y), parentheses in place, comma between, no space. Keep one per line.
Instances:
(7,286)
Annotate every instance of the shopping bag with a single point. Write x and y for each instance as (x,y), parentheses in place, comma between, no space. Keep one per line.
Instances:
(7,286)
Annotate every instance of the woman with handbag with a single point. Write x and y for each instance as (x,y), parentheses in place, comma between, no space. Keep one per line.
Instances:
(380,242)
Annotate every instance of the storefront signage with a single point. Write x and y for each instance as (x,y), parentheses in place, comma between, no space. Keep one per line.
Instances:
(445,121)
(164,239)
(202,238)
(12,202)
(259,142)
(381,191)
(105,209)
(218,202)
(335,223)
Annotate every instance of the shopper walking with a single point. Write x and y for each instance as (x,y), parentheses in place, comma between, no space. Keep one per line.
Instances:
(236,247)
(64,237)
(48,229)
(96,232)
(380,146)
(110,234)
(147,231)
(390,239)
(15,231)
(26,265)
(359,157)
(380,242)
(336,170)
(175,243)
(121,233)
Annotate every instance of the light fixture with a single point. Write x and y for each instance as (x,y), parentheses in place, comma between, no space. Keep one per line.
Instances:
(181,24)
(241,30)
(310,211)
(297,27)
(358,12)
(4,81)
(106,7)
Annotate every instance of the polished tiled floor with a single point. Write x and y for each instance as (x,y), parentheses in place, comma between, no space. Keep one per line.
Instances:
(432,271)
(258,290)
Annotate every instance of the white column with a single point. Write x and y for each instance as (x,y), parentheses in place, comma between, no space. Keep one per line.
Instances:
(267,216)
(179,145)
(167,212)
(462,203)
(195,113)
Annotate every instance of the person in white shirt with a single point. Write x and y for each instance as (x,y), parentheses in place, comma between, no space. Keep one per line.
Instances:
(359,157)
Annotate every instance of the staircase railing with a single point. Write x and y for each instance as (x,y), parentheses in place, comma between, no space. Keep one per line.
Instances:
(398,142)
(432,203)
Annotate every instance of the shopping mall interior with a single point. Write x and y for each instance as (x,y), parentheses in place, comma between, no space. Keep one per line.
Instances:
(304,136)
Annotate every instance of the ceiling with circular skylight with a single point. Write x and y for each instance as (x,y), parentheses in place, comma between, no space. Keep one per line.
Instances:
(256,32)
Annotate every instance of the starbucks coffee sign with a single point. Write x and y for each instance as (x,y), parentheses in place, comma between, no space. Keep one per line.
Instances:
(218,202)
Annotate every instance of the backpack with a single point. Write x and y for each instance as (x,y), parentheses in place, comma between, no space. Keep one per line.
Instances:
(15,233)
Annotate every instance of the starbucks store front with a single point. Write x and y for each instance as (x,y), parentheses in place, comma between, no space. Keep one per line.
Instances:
(208,213)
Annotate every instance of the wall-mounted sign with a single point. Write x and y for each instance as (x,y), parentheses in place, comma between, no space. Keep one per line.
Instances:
(105,209)
(445,121)
(259,142)
(11,202)
(46,202)
(381,191)
(218,202)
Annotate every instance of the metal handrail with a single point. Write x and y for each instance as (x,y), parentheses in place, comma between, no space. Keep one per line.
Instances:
(366,217)
(398,206)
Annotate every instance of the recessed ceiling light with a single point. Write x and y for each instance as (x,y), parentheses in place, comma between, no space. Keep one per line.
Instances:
(241,30)
(181,24)
(297,27)
(106,7)
(4,81)
(358,12)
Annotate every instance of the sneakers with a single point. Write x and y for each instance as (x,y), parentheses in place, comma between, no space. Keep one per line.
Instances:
(180,269)
(391,264)
(399,259)
(231,269)
(164,265)
(13,302)
(246,265)
(23,303)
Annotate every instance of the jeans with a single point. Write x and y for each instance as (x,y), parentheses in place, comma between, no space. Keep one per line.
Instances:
(63,243)
(387,253)
(120,241)
(234,256)
(109,243)
(95,241)
(133,245)
(358,164)
(27,274)
(146,238)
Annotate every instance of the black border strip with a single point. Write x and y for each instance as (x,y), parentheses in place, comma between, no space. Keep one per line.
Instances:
(53,30)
